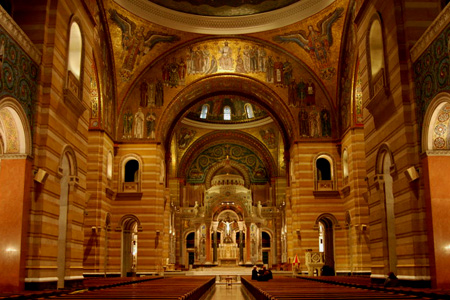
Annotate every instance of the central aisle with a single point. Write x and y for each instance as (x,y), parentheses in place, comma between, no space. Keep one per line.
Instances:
(223,292)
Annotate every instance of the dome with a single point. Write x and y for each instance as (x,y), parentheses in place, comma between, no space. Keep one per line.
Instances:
(227,176)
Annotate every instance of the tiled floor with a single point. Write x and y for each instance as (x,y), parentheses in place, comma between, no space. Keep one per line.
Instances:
(223,292)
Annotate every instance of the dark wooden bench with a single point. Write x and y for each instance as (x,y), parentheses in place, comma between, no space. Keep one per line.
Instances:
(295,288)
(181,288)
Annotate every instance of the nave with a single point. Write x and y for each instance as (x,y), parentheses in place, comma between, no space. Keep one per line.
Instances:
(207,288)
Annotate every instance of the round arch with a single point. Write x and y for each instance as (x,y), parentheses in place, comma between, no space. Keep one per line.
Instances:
(126,220)
(14,128)
(435,133)
(330,219)
(238,138)
(381,158)
(211,172)
(68,153)
(231,84)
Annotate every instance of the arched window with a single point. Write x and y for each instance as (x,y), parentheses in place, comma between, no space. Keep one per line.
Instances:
(324,175)
(376,48)
(131,174)
(75,50)
(109,166)
(377,76)
(345,165)
(131,171)
(249,110)
(73,90)
(204,113)
(385,163)
(227,113)
(323,168)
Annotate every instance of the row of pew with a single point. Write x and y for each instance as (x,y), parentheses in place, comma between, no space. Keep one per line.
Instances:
(179,288)
(296,288)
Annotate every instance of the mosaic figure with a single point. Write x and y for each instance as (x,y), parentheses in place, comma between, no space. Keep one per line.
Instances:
(316,42)
(135,43)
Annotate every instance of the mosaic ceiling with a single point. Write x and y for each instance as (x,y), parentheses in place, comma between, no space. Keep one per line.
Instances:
(224,8)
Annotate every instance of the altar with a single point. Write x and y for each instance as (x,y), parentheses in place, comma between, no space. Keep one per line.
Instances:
(228,254)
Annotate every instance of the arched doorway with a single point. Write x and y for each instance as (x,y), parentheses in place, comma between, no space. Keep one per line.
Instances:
(326,224)
(130,228)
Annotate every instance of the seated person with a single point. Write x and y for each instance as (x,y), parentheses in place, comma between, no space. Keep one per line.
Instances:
(255,273)
(391,280)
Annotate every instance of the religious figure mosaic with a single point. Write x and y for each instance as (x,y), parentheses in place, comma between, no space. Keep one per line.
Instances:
(135,42)
(316,42)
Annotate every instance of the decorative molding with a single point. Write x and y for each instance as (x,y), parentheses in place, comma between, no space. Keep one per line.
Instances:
(224,25)
(19,36)
(431,33)
(15,156)
(437,153)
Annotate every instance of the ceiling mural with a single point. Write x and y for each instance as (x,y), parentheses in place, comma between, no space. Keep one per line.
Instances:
(298,63)
(169,76)
(316,42)
(136,42)
(222,8)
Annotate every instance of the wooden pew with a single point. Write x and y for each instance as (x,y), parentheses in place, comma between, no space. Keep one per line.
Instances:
(181,288)
(294,288)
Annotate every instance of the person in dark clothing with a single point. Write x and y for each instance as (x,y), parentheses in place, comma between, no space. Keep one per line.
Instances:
(254,273)
(391,280)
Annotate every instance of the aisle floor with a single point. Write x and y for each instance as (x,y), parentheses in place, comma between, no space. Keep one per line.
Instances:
(223,292)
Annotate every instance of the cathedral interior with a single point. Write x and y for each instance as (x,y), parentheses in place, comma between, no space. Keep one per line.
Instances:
(148,136)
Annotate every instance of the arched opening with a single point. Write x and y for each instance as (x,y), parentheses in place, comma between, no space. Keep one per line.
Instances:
(109,166)
(129,247)
(131,175)
(66,170)
(323,168)
(326,244)
(345,166)
(324,178)
(249,110)
(204,112)
(75,50)
(131,171)
(376,48)
(389,206)
(227,113)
